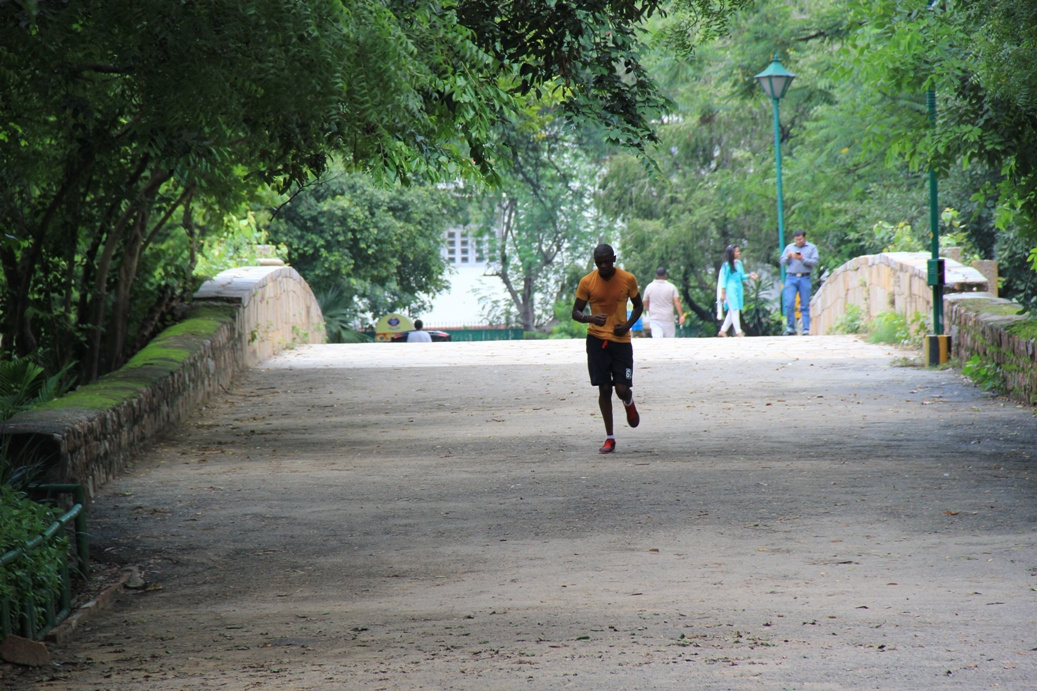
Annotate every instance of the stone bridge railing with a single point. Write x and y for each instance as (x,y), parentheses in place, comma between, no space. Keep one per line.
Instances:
(888,282)
(240,318)
(977,321)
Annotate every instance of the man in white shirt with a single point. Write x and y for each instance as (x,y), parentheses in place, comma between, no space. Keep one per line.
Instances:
(417,335)
(661,299)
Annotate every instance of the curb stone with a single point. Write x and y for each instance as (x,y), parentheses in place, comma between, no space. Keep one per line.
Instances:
(63,631)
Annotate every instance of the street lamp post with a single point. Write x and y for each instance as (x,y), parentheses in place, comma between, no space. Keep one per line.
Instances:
(775,81)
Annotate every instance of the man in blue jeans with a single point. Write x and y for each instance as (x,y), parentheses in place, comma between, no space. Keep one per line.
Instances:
(799,259)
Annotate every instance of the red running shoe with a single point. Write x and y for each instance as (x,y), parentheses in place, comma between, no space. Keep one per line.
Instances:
(608,447)
(633,419)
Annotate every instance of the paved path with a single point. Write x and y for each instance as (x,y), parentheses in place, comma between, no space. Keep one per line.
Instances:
(798,513)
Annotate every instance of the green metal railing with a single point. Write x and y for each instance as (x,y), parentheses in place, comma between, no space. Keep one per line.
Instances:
(23,617)
(508,334)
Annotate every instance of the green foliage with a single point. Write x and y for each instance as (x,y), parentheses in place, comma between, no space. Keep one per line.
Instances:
(760,316)
(539,229)
(851,322)
(1025,329)
(130,134)
(565,326)
(896,329)
(985,375)
(888,327)
(37,574)
(365,249)
(237,241)
(971,56)
(23,385)
(339,317)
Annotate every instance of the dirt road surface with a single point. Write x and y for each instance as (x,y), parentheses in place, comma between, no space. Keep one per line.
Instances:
(792,513)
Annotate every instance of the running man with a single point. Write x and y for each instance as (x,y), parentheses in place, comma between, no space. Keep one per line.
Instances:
(610,356)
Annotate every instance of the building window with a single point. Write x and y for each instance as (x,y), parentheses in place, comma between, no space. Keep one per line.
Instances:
(460,248)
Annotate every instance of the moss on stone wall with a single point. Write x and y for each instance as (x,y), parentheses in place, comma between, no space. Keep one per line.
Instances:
(163,356)
(993,306)
(1026,329)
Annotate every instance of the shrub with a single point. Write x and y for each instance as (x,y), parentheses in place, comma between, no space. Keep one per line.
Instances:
(889,327)
(564,326)
(760,316)
(985,375)
(23,385)
(895,329)
(37,575)
(852,321)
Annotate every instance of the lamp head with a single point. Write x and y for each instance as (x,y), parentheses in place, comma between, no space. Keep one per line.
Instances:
(775,79)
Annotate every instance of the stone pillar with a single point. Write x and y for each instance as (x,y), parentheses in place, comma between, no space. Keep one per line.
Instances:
(988,267)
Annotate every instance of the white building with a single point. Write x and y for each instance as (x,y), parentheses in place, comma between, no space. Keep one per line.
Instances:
(460,304)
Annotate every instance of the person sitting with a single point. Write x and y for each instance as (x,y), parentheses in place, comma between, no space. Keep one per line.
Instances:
(417,335)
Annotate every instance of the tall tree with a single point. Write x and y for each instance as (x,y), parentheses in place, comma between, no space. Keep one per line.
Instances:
(978,59)
(542,221)
(377,248)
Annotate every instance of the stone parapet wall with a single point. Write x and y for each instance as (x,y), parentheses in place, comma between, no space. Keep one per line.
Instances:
(888,282)
(981,324)
(239,319)
(277,308)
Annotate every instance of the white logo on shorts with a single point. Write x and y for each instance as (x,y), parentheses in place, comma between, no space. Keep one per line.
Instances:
(630,373)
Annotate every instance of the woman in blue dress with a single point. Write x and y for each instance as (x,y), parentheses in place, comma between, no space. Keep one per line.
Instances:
(730,291)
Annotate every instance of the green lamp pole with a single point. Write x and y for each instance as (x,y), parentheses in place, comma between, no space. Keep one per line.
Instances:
(936,265)
(939,344)
(775,81)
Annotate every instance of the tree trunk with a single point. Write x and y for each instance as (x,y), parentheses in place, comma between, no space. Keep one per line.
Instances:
(527,309)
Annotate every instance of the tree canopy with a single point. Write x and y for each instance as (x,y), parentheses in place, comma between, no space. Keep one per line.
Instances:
(856,141)
(128,132)
(374,248)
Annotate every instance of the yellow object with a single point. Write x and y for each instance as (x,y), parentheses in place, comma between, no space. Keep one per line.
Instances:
(392,324)
(938,350)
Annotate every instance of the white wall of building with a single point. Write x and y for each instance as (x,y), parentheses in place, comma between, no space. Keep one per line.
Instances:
(460,304)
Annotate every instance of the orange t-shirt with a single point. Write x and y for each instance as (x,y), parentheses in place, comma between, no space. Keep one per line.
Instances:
(609,297)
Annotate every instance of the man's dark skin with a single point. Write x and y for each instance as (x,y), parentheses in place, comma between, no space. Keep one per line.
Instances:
(605,260)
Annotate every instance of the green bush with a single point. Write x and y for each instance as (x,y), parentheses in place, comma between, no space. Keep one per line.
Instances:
(889,327)
(23,385)
(565,326)
(985,375)
(852,321)
(36,575)
(760,316)
(895,329)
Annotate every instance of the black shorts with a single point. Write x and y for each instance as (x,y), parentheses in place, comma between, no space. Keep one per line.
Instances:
(611,364)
